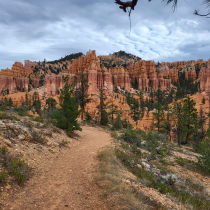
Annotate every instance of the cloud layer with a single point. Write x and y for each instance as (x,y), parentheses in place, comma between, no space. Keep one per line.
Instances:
(34,30)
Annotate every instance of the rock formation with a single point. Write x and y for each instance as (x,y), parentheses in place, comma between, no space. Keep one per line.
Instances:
(16,79)
(120,77)
(88,64)
(190,73)
(147,75)
(167,73)
(205,80)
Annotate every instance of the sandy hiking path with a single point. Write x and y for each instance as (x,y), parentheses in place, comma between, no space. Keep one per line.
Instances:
(67,182)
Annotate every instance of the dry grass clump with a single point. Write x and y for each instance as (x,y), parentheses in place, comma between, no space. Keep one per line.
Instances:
(117,193)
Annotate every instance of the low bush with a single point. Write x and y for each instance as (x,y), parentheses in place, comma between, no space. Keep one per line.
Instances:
(37,138)
(88,116)
(13,165)
(15,118)
(3,177)
(17,167)
(131,136)
(2,115)
(204,159)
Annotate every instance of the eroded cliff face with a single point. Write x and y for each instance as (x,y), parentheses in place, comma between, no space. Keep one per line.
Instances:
(120,77)
(205,80)
(16,79)
(148,76)
(88,64)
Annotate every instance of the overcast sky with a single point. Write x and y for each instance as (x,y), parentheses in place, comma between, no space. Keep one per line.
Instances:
(50,29)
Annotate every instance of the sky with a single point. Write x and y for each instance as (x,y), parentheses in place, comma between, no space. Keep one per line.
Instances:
(50,29)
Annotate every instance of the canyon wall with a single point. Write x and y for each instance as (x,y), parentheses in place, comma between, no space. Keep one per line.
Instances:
(16,79)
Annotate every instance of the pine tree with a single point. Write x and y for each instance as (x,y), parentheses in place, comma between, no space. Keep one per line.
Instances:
(203,100)
(113,109)
(10,103)
(135,112)
(81,92)
(51,102)
(190,119)
(67,116)
(177,117)
(159,117)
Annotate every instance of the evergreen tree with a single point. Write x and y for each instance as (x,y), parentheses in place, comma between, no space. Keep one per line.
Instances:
(10,103)
(26,99)
(81,92)
(190,119)
(51,102)
(36,102)
(159,117)
(67,116)
(176,113)
(113,109)
(203,100)
(135,112)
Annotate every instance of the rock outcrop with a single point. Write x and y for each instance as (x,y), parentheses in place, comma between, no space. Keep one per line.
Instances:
(88,64)
(16,79)
(147,75)
(120,77)
(190,73)
(205,80)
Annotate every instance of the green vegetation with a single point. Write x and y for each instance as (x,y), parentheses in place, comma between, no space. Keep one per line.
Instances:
(67,58)
(13,165)
(3,177)
(66,117)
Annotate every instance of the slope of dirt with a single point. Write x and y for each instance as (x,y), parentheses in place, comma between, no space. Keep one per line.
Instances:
(67,181)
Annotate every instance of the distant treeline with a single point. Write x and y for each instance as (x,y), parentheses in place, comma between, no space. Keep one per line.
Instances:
(67,58)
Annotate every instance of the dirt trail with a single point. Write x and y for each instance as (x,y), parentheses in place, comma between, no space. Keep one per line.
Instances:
(67,183)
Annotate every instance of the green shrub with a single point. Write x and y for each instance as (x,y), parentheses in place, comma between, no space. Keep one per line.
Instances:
(3,177)
(21,109)
(63,143)
(3,150)
(17,167)
(38,119)
(131,136)
(88,116)
(2,116)
(15,118)
(37,138)
(66,117)
(22,114)
(204,159)
(104,117)
(49,133)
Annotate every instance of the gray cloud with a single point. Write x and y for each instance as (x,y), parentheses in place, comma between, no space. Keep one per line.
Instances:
(41,29)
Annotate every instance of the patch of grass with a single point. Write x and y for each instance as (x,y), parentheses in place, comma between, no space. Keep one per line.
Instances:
(38,119)
(179,150)
(22,114)
(56,130)
(114,190)
(13,165)
(191,165)
(17,167)
(2,116)
(3,150)
(37,138)
(63,143)
(193,185)
(124,146)
(49,133)
(114,134)
(3,177)
(15,118)
(30,125)
(167,187)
